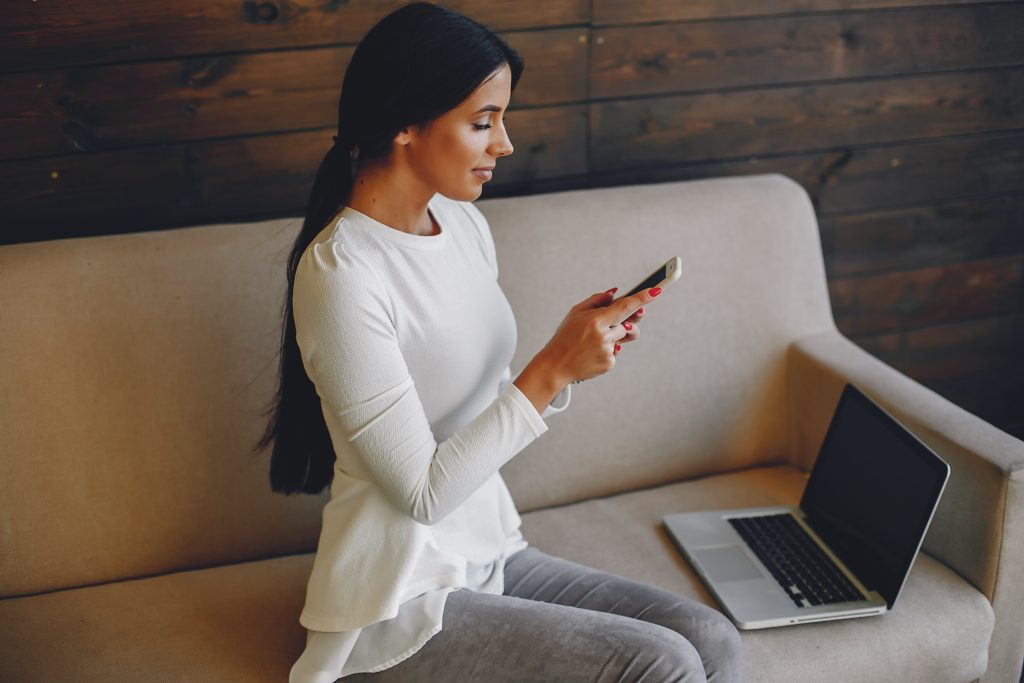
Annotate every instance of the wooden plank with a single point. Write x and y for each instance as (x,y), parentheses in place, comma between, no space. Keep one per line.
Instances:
(59,33)
(643,11)
(919,236)
(947,353)
(214,181)
(892,302)
(994,395)
(109,107)
(857,179)
(556,66)
(92,109)
(677,58)
(670,130)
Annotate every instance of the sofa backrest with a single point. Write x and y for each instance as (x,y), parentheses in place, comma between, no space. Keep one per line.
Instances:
(135,369)
(702,389)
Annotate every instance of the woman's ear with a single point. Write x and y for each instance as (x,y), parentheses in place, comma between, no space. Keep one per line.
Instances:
(402,137)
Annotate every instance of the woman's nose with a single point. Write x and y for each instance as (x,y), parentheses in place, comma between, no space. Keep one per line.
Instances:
(503,146)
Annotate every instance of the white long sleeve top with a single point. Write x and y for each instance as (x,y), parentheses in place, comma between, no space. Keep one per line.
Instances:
(408,340)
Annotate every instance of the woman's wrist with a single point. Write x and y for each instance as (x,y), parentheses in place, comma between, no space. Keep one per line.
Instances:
(540,381)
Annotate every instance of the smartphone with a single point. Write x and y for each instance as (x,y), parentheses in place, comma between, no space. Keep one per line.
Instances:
(662,277)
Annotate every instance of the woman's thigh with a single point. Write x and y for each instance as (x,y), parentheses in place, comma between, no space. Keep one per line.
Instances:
(535,575)
(501,639)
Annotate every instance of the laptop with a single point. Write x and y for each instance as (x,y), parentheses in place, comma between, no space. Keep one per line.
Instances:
(846,550)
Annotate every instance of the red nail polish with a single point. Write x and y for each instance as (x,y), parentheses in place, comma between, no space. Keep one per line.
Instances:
(617,347)
(655,291)
(640,310)
(627,326)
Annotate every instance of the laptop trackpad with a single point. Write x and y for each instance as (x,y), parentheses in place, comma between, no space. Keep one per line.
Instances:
(727,564)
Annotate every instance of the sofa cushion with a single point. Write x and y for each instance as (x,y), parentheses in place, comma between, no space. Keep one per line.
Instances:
(236,623)
(938,630)
(240,622)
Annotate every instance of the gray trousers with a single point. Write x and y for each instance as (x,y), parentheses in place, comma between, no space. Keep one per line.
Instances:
(563,621)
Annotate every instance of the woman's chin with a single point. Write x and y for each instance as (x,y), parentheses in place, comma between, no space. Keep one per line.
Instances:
(467,194)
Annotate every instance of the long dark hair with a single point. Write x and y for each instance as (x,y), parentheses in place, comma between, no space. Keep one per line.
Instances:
(414,65)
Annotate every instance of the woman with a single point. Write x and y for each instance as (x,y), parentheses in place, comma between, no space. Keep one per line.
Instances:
(396,390)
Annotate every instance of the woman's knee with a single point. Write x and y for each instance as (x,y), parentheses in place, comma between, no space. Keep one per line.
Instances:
(722,635)
(655,653)
(716,639)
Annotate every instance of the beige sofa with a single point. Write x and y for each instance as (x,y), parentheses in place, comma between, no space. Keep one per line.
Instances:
(139,540)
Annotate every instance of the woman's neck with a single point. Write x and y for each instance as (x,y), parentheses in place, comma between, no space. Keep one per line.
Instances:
(394,198)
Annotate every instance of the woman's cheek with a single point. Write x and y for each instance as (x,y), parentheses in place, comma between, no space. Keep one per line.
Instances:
(473,145)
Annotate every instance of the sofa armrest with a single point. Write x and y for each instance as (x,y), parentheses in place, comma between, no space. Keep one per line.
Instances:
(978,528)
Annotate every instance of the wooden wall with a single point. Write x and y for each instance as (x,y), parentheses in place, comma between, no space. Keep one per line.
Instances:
(903,119)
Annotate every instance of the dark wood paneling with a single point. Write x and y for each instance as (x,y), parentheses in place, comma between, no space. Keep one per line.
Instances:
(639,60)
(211,181)
(643,11)
(859,179)
(890,302)
(669,130)
(995,396)
(92,109)
(95,108)
(37,35)
(919,236)
(852,180)
(556,66)
(952,352)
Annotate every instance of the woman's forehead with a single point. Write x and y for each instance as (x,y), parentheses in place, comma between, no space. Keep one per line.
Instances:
(494,91)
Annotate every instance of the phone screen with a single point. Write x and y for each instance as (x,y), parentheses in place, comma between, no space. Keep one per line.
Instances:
(656,277)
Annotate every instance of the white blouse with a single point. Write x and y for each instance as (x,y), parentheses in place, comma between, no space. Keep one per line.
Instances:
(408,340)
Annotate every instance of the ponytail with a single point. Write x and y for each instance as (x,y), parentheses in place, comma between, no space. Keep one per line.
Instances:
(302,458)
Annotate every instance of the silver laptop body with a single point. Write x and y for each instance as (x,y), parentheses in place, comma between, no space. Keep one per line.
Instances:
(867,506)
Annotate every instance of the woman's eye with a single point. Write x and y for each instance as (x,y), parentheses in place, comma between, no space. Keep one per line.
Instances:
(487,126)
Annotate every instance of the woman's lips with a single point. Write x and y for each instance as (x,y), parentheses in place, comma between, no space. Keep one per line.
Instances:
(480,173)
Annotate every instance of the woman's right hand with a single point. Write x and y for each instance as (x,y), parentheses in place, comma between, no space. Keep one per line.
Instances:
(583,346)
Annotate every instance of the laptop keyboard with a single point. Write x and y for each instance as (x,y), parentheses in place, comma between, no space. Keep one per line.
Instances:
(804,571)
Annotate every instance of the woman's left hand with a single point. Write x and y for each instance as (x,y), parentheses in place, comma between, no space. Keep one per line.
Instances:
(631,335)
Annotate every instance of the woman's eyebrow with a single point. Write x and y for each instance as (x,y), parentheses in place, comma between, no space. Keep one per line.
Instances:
(488,107)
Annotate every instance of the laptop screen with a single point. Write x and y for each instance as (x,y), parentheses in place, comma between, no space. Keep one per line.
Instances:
(872,492)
